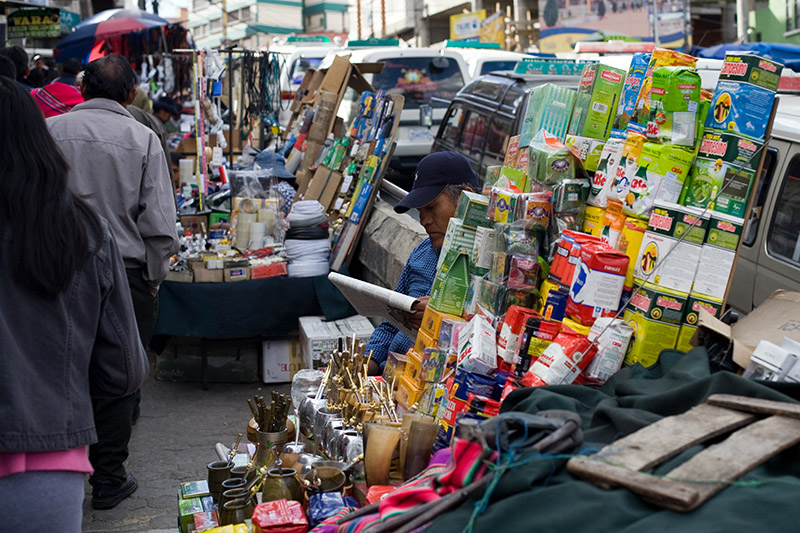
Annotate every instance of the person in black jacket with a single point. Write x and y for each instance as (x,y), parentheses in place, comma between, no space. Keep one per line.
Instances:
(68,331)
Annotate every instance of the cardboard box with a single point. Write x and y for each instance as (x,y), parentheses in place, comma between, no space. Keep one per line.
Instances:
(692,316)
(597,100)
(423,341)
(457,237)
(186,509)
(313,149)
(195,224)
(357,325)
(473,209)
(324,112)
(656,316)
(776,318)
(303,177)
(316,337)
(236,274)
(203,275)
(324,186)
(451,284)
(718,256)
(185,276)
(281,359)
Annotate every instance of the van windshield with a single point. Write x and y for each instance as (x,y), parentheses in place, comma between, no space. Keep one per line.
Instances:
(420,78)
(301,65)
(491,66)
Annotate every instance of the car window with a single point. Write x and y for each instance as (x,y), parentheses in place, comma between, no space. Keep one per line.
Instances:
(783,241)
(452,126)
(301,65)
(491,66)
(420,78)
(496,141)
(770,161)
(474,134)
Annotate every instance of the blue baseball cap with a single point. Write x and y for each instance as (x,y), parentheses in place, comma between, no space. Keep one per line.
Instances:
(434,173)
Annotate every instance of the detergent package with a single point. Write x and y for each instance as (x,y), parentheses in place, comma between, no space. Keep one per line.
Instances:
(631,89)
(606,169)
(674,104)
(597,283)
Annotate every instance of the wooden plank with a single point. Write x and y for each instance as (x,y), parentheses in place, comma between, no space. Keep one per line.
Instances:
(727,461)
(670,436)
(655,489)
(755,405)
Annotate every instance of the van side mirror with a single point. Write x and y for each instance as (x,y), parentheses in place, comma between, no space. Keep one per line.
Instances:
(426,115)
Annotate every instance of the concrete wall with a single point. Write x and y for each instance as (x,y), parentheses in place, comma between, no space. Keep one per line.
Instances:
(769,19)
(387,242)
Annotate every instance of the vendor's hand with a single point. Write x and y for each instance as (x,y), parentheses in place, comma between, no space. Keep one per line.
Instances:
(374,369)
(414,319)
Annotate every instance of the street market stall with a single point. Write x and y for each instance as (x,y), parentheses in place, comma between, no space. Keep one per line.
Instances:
(573,333)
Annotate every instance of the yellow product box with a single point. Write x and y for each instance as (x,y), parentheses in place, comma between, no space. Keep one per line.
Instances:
(576,326)
(692,316)
(413,365)
(630,243)
(544,290)
(432,322)
(656,316)
(593,220)
(408,392)
(395,366)
(424,341)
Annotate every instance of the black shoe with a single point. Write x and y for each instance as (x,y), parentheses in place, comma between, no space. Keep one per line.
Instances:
(108,492)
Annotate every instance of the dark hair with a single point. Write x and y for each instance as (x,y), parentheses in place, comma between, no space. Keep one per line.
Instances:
(7,67)
(36,77)
(109,77)
(50,227)
(19,57)
(71,67)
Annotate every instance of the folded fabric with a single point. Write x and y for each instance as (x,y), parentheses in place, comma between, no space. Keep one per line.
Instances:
(56,98)
(307,233)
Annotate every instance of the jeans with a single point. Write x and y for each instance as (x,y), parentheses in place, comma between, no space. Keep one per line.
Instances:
(46,500)
(112,416)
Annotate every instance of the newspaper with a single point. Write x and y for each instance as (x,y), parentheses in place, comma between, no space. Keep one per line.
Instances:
(375,301)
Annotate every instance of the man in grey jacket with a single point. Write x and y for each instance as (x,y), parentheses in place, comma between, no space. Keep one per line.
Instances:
(118,167)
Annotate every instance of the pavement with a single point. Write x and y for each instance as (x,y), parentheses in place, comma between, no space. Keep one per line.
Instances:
(172,442)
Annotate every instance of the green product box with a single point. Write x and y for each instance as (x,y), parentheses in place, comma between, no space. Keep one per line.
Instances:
(551,66)
(491,177)
(723,157)
(673,168)
(549,108)
(195,489)
(186,510)
(753,69)
(449,291)
(674,103)
(656,317)
(473,210)
(587,150)
(518,178)
(596,101)
(457,237)
(549,161)
(691,317)
(718,256)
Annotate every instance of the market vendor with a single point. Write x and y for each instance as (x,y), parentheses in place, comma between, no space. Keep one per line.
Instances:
(439,180)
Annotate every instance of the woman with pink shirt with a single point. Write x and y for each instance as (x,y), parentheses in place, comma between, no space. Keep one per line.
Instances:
(67,327)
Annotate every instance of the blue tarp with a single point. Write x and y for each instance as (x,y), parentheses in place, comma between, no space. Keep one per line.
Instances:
(788,54)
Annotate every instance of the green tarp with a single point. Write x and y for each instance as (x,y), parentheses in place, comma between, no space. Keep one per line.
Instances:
(543,496)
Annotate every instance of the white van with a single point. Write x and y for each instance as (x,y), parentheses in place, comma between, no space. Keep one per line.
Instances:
(769,258)
(296,59)
(424,76)
(484,61)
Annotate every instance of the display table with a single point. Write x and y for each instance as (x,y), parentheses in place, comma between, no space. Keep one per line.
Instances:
(255,308)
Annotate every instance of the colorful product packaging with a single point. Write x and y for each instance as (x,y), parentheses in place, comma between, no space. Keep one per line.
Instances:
(587,150)
(512,152)
(286,516)
(477,348)
(672,170)
(490,178)
(186,510)
(630,243)
(457,237)
(449,290)
(511,332)
(472,209)
(674,104)
(607,165)
(630,91)
(597,283)
(724,157)
(537,334)
(610,230)
(562,361)
(645,183)
(483,248)
(449,332)
(568,255)
(550,161)
(612,335)
(745,95)
(432,322)
(655,315)
(716,260)
(597,101)
(593,220)
(671,227)
(549,108)
(408,392)
(628,165)
(690,318)
(660,58)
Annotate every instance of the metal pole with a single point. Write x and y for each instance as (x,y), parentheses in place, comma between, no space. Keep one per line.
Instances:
(224,21)
(741,20)
(655,22)
(230,108)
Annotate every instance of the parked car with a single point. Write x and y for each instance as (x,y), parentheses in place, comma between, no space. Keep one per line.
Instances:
(419,74)
(486,112)
(769,258)
(484,61)
(297,58)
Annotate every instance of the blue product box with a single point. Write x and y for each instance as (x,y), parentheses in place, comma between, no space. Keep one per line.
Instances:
(740,107)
